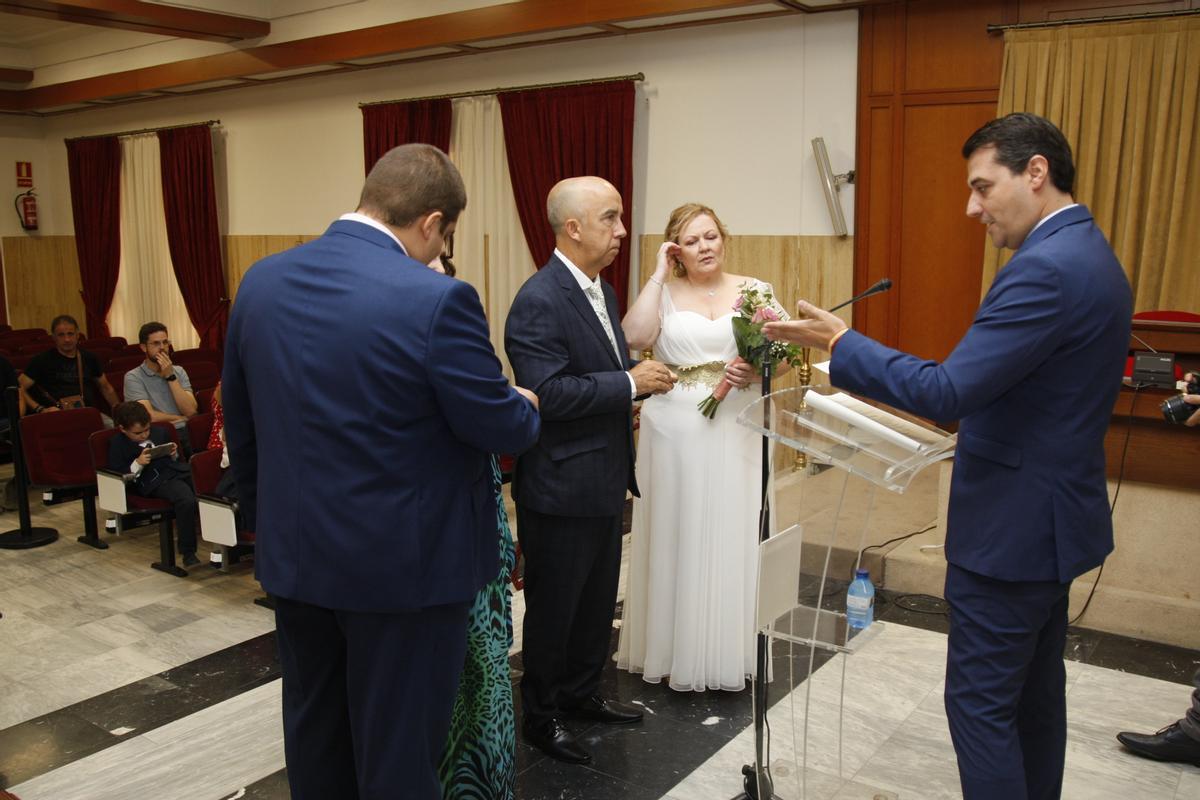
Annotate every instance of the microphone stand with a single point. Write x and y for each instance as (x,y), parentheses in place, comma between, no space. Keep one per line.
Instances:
(757,776)
(26,535)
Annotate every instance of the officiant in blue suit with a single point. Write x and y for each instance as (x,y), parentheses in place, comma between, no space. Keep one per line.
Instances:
(1033,382)
(362,397)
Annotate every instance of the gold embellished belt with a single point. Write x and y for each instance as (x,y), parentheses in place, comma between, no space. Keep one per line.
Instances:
(709,374)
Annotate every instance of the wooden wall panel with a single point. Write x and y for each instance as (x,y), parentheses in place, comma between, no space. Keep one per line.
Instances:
(946,45)
(42,279)
(940,248)
(877,256)
(242,251)
(911,197)
(42,272)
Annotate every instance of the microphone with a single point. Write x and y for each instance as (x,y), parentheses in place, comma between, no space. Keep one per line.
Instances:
(881,286)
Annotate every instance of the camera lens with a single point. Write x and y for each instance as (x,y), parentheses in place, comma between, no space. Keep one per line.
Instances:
(1177,410)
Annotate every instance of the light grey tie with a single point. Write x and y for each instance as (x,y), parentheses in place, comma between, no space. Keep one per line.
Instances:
(596,296)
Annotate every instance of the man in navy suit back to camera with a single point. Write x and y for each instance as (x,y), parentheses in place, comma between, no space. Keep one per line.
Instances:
(362,397)
(1033,382)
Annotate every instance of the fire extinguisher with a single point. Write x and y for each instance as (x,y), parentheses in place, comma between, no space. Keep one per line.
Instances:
(26,204)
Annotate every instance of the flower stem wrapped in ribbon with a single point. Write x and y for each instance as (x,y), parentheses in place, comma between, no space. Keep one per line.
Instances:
(755,305)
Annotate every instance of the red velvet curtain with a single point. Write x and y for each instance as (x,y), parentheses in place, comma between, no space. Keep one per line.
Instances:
(388,125)
(94,167)
(552,134)
(194,237)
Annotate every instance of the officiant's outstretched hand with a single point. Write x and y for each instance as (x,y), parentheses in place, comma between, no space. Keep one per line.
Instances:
(813,327)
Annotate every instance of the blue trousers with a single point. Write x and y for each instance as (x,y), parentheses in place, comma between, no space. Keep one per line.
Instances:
(367,698)
(1006,685)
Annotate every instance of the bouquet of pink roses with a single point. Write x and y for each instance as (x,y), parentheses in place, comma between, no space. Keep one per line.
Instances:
(755,305)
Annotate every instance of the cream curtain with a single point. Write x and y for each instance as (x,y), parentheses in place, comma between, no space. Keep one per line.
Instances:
(146,286)
(489,245)
(1126,96)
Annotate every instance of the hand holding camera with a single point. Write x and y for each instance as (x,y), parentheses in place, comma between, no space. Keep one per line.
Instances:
(1184,408)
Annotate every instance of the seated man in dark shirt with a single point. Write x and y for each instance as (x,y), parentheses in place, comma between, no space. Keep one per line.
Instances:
(66,376)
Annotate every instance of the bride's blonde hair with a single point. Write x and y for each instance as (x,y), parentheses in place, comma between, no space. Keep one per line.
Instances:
(680,219)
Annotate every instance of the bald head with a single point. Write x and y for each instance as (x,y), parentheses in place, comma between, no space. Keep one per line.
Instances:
(585,214)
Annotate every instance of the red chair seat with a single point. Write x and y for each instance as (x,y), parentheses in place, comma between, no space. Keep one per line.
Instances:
(143,503)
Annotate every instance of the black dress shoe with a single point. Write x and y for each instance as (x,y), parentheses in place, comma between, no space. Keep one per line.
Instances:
(607,711)
(190,560)
(556,741)
(1169,744)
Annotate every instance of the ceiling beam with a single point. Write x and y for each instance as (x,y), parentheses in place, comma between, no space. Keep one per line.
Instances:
(457,29)
(133,15)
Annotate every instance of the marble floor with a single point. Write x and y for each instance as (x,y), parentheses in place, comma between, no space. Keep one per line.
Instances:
(117,681)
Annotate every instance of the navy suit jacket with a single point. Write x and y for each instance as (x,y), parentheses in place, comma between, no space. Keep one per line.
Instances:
(582,464)
(362,398)
(1034,381)
(122,451)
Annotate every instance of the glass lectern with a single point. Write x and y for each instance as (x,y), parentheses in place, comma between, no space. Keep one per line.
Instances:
(842,442)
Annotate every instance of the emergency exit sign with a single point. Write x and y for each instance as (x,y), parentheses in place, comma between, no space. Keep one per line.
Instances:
(24,174)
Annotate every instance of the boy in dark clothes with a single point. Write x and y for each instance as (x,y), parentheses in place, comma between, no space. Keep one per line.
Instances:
(165,477)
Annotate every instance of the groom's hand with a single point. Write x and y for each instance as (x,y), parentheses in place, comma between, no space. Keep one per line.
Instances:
(652,377)
(814,328)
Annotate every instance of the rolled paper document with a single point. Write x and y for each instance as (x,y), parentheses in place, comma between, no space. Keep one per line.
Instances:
(829,404)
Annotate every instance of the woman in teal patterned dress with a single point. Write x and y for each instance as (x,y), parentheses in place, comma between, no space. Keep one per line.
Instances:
(479,761)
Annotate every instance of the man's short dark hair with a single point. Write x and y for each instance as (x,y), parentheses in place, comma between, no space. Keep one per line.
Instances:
(148,330)
(412,180)
(60,319)
(131,412)
(1018,138)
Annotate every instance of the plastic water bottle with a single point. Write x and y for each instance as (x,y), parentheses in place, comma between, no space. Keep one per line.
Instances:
(860,600)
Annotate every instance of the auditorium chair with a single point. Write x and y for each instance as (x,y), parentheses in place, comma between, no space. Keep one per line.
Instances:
(102,354)
(203,375)
(23,335)
(105,343)
(218,515)
(199,428)
(204,399)
(35,346)
(116,379)
(55,446)
(124,363)
(195,355)
(132,510)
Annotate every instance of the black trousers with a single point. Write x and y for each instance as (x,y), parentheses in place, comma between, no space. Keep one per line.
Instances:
(571,569)
(181,494)
(367,698)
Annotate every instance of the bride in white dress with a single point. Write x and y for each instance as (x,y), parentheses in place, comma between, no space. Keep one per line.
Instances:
(689,599)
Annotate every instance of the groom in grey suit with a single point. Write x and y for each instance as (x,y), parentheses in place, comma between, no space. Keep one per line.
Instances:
(564,341)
